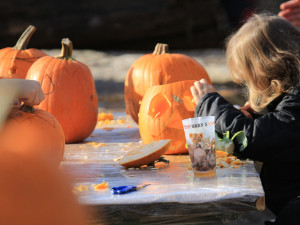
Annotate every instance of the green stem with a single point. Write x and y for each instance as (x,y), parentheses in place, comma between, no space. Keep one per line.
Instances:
(25,38)
(66,49)
(27,108)
(161,49)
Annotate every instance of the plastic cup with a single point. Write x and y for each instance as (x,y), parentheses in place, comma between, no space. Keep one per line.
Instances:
(200,138)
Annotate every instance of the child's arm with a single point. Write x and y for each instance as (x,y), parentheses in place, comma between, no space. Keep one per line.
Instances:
(202,87)
(29,91)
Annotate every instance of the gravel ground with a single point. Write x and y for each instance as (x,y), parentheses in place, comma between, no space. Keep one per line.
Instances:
(113,65)
(109,70)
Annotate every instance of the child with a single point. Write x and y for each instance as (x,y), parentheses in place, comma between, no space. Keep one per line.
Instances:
(27,91)
(264,55)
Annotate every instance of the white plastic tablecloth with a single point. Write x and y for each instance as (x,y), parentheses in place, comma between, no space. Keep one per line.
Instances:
(95,161)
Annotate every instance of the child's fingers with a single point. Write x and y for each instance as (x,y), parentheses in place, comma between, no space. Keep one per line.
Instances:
(247,114)
(195,94)
(198,85)
(203,82)
(291,15)
(290,4)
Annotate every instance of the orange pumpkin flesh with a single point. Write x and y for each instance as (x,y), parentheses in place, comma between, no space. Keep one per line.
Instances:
(15,61)
(168,125)
(145,154)
(70,93)
(158,68)
(32,192)
(35,132)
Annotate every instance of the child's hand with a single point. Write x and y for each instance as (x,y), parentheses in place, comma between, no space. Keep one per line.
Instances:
(30,92)
(290,10)
(247,110)
(201,88)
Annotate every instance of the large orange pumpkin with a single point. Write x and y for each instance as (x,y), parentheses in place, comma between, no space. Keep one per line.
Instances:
(28,130)
(158,68)
(15,61)
(70,93)
(161,113)
(32,192)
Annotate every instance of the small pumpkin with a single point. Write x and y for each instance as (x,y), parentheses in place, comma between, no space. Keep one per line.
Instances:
(158,68)
(28,130)
(161,113)
(70,93)
(15,61)
(32,192)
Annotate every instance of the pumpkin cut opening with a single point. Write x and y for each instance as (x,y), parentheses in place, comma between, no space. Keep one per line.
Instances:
(189,103)
(175,120)
(159,105)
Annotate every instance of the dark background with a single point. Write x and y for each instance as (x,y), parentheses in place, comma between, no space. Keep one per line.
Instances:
(127,24)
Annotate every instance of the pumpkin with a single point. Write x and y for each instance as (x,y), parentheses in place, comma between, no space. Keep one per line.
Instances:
(70,93)
(32,192)
(158,68)
(146,154)
(161,113)
(28,130)
(15,61)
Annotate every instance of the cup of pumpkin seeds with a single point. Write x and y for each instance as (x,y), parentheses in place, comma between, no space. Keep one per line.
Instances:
(200,138)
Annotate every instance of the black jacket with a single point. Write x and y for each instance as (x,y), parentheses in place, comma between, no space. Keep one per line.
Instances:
(273,138)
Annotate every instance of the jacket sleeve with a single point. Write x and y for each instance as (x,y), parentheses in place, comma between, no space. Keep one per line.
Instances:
(267,135)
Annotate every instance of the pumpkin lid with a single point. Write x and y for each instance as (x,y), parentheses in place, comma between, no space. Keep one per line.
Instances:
(145,154)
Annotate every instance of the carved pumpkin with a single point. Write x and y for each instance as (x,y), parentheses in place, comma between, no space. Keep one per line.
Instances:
(28,130)
(15,61)
(70,93)
(158,68)
(32,192)
(161,113)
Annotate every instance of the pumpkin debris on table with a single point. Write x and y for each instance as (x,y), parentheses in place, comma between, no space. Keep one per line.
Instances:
(225,147)
(121,121)
(80,188)
(16,61)
(97,144)
(70,93)
(158,68)
(145,154)
(102,186)
(224,160)
(105,116)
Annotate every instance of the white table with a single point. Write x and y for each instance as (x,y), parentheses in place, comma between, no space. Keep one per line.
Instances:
(173,185)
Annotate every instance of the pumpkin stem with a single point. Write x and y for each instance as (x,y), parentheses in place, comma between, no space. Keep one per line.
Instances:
(27,108)
(25,38)
(161,49)
(66,49)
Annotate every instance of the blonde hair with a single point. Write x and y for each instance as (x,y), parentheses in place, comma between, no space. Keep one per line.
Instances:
(264,55)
